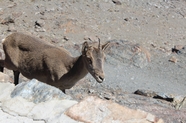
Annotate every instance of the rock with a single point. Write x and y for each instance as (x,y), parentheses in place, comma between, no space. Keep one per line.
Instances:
(46,109)
(7,118)
(91,38)
(148,93)
(40,23)
(39,29)
(66,38)
(95,110)
(5,90)
(63,119)
(4,78)
(7,20)
(126,19)
(37,92)
(179,102)
(173,59)
(17,106)
(55,108)
(117,2)
(183,50)
(127,53)
(11,28)
(145,93)
(12,5)
(177,48)
(17,14)
(39,26)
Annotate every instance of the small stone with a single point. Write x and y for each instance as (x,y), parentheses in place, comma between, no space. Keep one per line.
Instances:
(17,14)
(12,5)
(117,2)
(38,29)
(173,59)
(91,91)
(1,11)
(7,20)
(54,40)
(179,102)
(66,38)
(126,19)
(11,28)
(40,23)
(145,93)
(91,38)
(178,47)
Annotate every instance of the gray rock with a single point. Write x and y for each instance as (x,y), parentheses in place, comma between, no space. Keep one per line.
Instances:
(37,92)
(179,102)
(48,111)
(124,52)
(21,109)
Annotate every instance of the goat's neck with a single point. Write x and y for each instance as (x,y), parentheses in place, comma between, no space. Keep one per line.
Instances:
(77,72)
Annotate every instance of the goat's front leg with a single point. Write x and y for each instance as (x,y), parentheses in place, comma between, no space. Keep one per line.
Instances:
(1,65)
(16,77)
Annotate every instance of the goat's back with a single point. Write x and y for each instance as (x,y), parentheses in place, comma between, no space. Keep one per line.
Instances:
(34,58)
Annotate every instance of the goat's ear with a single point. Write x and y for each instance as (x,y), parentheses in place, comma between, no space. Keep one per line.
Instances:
(105,46)
(84,48)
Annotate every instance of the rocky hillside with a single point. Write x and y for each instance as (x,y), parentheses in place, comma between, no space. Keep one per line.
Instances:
(147,55)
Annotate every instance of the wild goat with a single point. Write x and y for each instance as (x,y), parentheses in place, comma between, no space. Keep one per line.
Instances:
(55,66)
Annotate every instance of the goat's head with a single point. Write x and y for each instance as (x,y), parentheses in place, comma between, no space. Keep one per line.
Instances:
(94,59)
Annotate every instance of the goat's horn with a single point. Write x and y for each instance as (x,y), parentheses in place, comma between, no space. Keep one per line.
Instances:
(99,45)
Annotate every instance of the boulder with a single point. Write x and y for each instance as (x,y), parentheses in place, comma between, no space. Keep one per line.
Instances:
(5,90)
(95,110)
(7,118)
(37,92)
(124,52)
(17,106)
(34,101)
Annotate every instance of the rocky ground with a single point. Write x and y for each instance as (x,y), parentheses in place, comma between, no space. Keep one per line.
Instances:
(147,52)
(36,102)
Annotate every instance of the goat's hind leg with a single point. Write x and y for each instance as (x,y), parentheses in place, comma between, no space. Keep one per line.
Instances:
(64,91)
(16,77)
(16,73)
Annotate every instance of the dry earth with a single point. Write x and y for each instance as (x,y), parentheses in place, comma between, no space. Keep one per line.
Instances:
(148,38)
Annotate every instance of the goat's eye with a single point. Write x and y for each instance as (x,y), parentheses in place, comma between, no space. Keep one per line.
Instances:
(89,60)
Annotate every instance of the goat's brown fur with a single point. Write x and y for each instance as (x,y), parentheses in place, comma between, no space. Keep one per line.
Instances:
(55,66)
